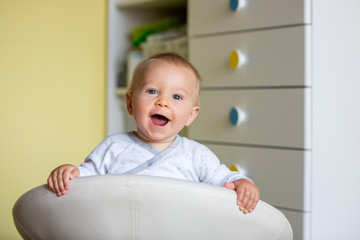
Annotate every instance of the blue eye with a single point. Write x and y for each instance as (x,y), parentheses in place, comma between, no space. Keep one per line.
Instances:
(151,91)
(177,97)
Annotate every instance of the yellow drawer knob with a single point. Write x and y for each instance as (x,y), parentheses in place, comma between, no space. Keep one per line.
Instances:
(236,59)
(233,168)
(237,168)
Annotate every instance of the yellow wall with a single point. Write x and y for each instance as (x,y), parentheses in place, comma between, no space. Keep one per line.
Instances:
(52,91)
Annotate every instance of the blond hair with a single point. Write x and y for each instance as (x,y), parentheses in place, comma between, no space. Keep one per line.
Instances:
(171,58)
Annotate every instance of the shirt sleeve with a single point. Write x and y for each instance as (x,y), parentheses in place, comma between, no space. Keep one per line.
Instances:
(97,163)
(211,171)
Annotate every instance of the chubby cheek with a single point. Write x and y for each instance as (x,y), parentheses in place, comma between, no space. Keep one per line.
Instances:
(139,111)
(138,114)
(184,115)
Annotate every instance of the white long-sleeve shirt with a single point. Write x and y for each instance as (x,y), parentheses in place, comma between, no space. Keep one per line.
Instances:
(125,153)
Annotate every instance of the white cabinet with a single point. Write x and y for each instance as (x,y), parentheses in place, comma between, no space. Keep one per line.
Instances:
(296,92)
(280,82)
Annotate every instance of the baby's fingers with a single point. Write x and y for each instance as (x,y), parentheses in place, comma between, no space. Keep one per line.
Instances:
(50,183)
(61,181)
(252,202)
(53,182)
(249,205)
(66,179)
(245,201)
(230,185)
(240,196)
(255,200)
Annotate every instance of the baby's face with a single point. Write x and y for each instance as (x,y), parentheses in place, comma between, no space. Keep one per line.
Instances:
(164,101)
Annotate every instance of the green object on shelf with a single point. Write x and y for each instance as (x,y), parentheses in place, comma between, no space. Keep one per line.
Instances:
(139,34)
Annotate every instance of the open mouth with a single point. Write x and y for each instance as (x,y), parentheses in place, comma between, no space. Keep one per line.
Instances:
(159,120)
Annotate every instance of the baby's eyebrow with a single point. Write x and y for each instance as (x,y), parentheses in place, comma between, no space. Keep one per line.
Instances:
(182,92)
(147,85)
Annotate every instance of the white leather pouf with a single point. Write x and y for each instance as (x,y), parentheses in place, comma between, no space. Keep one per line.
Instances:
(143,207)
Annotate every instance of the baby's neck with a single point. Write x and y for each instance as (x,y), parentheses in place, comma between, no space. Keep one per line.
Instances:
(158,145)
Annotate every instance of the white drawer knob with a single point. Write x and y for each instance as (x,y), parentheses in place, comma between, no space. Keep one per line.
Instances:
(236,5)
(236,59)
(237,116)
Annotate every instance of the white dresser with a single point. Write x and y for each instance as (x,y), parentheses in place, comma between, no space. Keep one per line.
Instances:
(294,98)
(279,102)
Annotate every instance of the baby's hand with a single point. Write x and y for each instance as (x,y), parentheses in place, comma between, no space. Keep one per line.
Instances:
(247,194)
(59,178)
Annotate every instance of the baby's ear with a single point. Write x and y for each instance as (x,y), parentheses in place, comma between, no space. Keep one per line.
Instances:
(129,103)
(195,111)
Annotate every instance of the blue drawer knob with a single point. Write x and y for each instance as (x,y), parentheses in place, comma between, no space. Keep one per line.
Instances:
(236,116)
(236,5)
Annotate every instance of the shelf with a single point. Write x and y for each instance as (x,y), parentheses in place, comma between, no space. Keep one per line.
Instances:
(152,4)
(121,91)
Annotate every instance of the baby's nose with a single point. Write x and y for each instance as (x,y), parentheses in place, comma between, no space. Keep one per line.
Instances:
(162,103)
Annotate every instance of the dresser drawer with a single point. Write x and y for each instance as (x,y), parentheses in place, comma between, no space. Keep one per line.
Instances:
(280,175)
(215,16)
(271,117)
(300,223)
(278,57)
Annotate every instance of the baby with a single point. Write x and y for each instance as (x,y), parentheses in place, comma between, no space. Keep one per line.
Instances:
(163,98)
